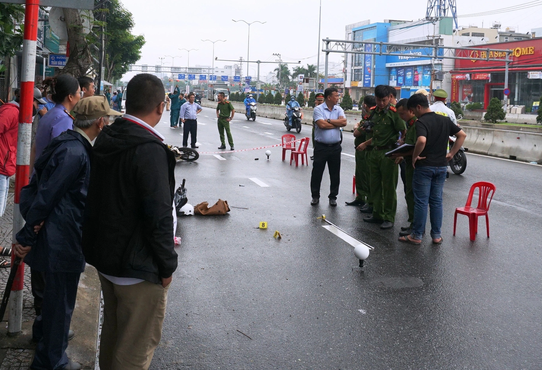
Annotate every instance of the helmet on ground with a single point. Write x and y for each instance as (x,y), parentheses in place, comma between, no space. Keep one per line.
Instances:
(187,210)
(440,93)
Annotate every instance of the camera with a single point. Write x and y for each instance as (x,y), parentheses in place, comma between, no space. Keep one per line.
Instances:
(368,126)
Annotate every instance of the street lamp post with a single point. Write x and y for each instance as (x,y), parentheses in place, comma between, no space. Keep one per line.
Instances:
(248,46)
(188,62)
(161,66)
(280,68)
(213,42)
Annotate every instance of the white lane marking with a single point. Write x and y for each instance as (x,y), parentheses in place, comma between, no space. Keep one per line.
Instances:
(344,236)
(258,182)
(266,123)
(268,133)
(246,127)
(349,155)
(219,157)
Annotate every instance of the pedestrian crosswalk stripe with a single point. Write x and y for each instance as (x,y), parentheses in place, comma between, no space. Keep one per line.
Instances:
(219,157)
(258,182)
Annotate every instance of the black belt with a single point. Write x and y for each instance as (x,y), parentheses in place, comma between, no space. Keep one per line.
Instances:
(324,144)
(385,147)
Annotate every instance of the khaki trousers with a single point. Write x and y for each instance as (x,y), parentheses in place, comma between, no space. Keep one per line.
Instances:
(132,327)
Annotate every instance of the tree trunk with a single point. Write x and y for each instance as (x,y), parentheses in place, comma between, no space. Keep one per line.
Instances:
(80,58)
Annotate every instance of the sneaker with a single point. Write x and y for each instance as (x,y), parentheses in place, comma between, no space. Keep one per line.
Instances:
(232,148)
(366,208)
(386,225)
(333,202)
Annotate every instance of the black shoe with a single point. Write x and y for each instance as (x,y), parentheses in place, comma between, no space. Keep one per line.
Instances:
(194,146)
(232,147)
(403,228)
(315,201)
(405,232)
(366,208)
(355,203)
(372,220)
(222,147)
(386,225)
(333,202)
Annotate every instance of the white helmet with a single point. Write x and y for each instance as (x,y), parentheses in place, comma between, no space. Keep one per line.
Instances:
(187,210)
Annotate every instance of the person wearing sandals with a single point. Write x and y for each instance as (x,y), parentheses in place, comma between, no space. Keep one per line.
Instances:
(430,160)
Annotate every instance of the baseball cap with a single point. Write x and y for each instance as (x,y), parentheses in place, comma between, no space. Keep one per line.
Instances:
(38,97)
(440,93)
(93,107)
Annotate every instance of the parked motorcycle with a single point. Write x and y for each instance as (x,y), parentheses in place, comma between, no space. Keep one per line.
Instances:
(458,164)
(296,120)
(251,112)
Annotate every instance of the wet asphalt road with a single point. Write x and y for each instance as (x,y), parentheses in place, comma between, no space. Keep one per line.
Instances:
(241,299)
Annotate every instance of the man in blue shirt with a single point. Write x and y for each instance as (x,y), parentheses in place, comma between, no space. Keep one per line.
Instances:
(329,118)
(189,112)
(249,99)
(290,108)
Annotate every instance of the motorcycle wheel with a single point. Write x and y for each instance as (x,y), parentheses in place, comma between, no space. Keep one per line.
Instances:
(298,127)
(187,154)
(253,117)
(458,164)
(288,128)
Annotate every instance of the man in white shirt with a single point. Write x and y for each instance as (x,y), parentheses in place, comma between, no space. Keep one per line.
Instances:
(439,106)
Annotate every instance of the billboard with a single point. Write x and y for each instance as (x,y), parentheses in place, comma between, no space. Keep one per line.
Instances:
(367,66)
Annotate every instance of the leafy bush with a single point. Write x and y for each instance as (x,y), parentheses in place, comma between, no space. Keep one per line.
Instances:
(301,99)
(312,98)
(269,99)
(456,107)
(261,98)
(494,111)
(277,98)
(539,116)
(346,103)
(473,106)
(287,98)
(242,97)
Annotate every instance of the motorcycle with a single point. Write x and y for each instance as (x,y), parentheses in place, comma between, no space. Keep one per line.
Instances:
(251,112)
(296,120)
(183,154)
(458,164)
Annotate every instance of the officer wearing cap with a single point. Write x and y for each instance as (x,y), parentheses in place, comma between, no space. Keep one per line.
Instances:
(439,106)
(53,204)
(384,173)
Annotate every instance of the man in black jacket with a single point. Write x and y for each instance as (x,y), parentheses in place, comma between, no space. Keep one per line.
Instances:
(52,206)
(128,233)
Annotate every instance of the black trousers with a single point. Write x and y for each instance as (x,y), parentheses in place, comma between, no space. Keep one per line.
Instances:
(330,154)
(190,127)
(51,327)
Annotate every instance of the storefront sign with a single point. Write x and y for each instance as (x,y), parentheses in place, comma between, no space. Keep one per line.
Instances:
(520,53)
(481,76)
(465,76)
(534,75)
(367,66)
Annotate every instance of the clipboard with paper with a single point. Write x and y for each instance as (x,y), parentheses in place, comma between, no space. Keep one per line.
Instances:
(400,149)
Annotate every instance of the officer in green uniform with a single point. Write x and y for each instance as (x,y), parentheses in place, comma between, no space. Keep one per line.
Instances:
(410,138)
(363,196)
(224,112)
(384,172)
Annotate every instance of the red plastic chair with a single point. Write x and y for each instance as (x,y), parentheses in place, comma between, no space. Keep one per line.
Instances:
(288,143)
(486,190)
(302,151)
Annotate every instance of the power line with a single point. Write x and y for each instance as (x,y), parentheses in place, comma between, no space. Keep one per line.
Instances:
(523,6)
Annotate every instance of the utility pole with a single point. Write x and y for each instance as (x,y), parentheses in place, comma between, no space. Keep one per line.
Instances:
(280,68)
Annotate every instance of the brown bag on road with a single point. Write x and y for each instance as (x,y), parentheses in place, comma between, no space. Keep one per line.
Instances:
(220,208)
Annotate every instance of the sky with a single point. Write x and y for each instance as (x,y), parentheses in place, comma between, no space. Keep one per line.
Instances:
(290,29)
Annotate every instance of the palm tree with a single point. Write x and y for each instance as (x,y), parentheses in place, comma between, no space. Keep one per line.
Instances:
(283,74)
(299,71)
(311,70)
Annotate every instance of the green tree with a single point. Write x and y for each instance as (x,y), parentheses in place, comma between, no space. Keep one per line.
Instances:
(283,74)
(456,107)
(242,97)
(539,116)
(346,103)
(269,99)
(298,71)
(301,99)
(312,98)
(12,35)
(122,48)
(277,99)
(311,70)
(261,99)
(494,111)
(235,96)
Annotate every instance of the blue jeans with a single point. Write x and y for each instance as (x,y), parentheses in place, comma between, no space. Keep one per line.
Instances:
(427,186)
(4,189)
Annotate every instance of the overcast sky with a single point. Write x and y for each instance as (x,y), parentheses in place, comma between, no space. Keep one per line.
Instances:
(291,27)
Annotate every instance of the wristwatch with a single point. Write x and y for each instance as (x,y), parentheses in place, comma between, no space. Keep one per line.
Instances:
(328,120)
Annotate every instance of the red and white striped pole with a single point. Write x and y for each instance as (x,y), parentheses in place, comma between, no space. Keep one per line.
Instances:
(23,151)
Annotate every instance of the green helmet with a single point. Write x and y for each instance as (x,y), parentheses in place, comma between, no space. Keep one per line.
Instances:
(440,93)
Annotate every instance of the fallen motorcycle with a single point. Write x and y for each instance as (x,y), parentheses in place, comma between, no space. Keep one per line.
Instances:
(183,153)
